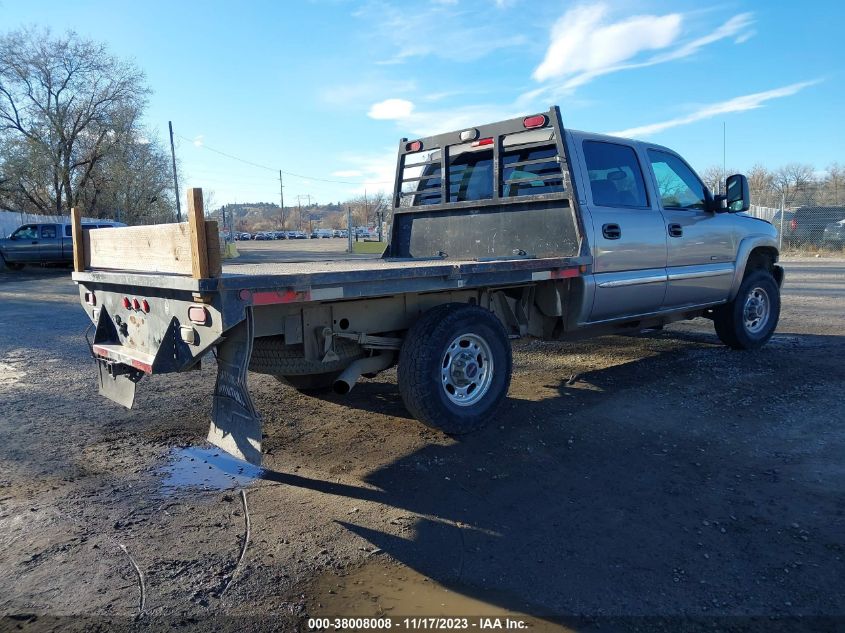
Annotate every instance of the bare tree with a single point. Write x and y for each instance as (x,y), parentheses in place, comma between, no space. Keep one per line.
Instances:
(66,104)
(834,185)
(761,186)
(795,183)
(713,177)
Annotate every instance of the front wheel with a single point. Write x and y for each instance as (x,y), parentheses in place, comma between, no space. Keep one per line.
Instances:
(455,368)
(749,321)
(10,265)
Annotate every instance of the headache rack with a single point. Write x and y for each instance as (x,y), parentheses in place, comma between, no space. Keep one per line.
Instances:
(490,191)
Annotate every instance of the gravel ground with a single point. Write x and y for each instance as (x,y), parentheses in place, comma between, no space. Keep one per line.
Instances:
(669,477)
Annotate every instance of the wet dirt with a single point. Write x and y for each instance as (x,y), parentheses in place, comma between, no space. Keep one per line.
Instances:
(205,468)
(380,589)
(625,477)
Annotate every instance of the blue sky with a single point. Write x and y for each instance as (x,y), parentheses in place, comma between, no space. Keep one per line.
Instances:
(326,88)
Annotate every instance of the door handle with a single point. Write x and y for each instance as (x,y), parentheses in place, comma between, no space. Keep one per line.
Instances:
(676,230)
(611,231)
(35,241)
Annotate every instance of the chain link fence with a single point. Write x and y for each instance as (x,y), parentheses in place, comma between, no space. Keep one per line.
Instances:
(806,229)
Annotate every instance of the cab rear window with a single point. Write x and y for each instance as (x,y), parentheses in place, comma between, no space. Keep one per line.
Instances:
(529,165)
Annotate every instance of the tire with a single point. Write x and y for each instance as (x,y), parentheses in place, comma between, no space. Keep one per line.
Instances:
(270,355)
(10,265)
(749,321)
(448,350)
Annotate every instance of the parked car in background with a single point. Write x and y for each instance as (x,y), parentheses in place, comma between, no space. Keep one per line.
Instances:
(808,224)
(784,226)
(834,234)
(42,244)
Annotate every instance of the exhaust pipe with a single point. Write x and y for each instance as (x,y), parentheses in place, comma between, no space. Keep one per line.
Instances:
(343,384)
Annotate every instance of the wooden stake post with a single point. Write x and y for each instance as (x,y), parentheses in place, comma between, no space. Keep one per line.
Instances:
(76,232)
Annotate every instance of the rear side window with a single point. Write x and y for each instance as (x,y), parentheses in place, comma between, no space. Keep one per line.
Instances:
(530,168)
(679,187)
(68,230)
(616,179)
(48,231)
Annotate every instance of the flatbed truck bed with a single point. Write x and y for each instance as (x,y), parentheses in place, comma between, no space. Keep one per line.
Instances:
(514,228)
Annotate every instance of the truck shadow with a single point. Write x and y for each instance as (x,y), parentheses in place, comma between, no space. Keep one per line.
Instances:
(651,493)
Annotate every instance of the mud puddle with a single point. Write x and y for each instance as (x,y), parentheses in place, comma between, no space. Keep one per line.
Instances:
(201,468)
(382,589)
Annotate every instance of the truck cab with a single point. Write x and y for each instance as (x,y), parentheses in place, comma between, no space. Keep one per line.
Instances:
(43,243)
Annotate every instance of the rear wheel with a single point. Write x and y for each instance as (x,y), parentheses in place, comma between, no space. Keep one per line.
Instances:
(749,321)
(455,368)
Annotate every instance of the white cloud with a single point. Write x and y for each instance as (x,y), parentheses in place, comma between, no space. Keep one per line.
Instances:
(439,30)
(586,45)
(199,141)
(582,42)
(429,122)
(376,171)
(737,104)
(391,109)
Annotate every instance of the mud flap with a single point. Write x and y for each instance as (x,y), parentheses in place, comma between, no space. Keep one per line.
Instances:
(235,424)
(119,387)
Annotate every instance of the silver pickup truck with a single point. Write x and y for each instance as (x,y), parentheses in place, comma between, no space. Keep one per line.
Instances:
(42,244)
(516,228)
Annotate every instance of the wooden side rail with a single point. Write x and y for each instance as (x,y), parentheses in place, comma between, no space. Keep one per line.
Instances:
(188,248)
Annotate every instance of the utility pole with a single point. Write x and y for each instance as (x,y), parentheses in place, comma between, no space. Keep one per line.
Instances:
(348,228)
(299,204)
(282,198)
(175,177)
(724,158)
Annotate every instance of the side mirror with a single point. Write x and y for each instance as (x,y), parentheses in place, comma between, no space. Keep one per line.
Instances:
(737,198)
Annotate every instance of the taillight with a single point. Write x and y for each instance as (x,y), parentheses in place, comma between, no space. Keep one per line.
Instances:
(538,120)
(136,305)
(145,306)
(483,141)
(413,146)
(793,224)
(127,303)
(198,314)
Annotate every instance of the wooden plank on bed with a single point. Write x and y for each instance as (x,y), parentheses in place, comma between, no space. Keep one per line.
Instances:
(187,248)
(157,248)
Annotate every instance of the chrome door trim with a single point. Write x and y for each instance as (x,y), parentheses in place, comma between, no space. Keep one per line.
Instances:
(633,281)
(700,272)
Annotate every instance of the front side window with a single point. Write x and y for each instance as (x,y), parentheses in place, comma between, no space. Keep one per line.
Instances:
(678,185)
(48,231)
(28,232)
(616,179)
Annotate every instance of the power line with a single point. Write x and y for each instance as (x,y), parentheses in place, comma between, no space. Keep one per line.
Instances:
(287,173)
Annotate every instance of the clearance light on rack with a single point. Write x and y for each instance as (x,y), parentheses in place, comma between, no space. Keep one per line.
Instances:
(469,135)
(537,120)
(413,146)
(482,142)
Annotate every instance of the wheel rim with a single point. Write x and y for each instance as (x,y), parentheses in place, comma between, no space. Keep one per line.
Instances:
(466,369)
(756,310)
